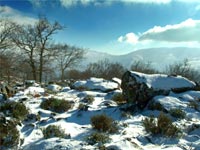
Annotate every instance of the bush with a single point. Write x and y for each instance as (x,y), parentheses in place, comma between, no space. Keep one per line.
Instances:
(119,99)
(97,137)
(103,123)
(178,113)
(156,106)
(83,107)
(56,105)
(89,99)
(54,131)
(14,109)
(194,105)
(162,126)
(9,137)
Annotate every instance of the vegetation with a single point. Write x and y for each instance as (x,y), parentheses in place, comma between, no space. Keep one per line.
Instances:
(96,137)
(119,99)
(178,113)
(54,131)
(14,109)
(89,99)
(140,66)
(163,125)
(56,105)
(103,123)
(9,137)
(194,105)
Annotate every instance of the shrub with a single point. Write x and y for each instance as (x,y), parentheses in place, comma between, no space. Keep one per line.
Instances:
(56,105)
(89,99)
(9,137)
(103,123)
(83,107)
(194,105)
(119,99)
(178,113)
(155,106)
(100,138)
(162,126)
(54,131)
(14,109)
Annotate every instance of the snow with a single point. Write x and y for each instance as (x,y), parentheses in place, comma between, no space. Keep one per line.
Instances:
(34,90)
(97,84)
(162,82)
(54,87)
(131,135)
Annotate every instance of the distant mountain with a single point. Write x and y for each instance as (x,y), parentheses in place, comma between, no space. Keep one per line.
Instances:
(159,57)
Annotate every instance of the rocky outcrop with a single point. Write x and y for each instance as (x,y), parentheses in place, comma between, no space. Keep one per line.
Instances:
(6,90)
(139,88)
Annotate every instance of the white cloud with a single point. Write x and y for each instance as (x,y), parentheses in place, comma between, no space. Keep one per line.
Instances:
(186,31)
(130,38)
(69,3)
(16,16)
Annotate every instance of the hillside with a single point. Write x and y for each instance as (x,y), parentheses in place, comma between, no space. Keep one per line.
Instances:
(159,57)
(61,118)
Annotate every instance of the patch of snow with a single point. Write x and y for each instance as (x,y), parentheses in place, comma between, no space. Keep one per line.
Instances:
(34,90)
(162,82)
(54,87)
(97,84)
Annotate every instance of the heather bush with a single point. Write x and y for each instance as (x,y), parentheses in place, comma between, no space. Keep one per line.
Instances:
(177,113)
(9,135)
(54,131)
(104,123)
(14,109)
(163,125)
(119,99)
(56,105)
(100,138)
(89,99)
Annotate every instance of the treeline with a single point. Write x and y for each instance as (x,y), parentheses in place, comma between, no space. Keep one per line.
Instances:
(29,51)
(107,70)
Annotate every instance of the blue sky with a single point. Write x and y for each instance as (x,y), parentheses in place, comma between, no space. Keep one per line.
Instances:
(114,26)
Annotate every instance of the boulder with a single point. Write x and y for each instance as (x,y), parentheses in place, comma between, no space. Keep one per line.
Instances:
(96,84)
(139,88)
(6,90)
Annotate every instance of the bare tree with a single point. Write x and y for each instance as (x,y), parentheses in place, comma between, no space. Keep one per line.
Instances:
(184,69)
(44,31)
(105,69)
(67,57)
(25,38)
(140,66)
(6,28)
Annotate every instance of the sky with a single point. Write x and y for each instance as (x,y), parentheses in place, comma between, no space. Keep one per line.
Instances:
(114,26)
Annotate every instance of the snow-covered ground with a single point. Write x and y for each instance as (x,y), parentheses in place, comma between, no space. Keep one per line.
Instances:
(131,134)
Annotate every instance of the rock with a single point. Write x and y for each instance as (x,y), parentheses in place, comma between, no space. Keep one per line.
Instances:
(6,90)
(96,84)
(139,88)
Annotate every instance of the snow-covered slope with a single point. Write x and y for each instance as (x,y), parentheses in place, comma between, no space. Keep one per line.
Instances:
(131,134)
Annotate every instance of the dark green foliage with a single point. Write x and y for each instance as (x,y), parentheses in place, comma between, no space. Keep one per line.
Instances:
(14,109)
(89,99)
(100,138)
(9,135)
(163,125)
(194,105)
(56,105)
(178,113)
(103,123)
(83,107)
(54,131)
(119,99)
(156,106)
